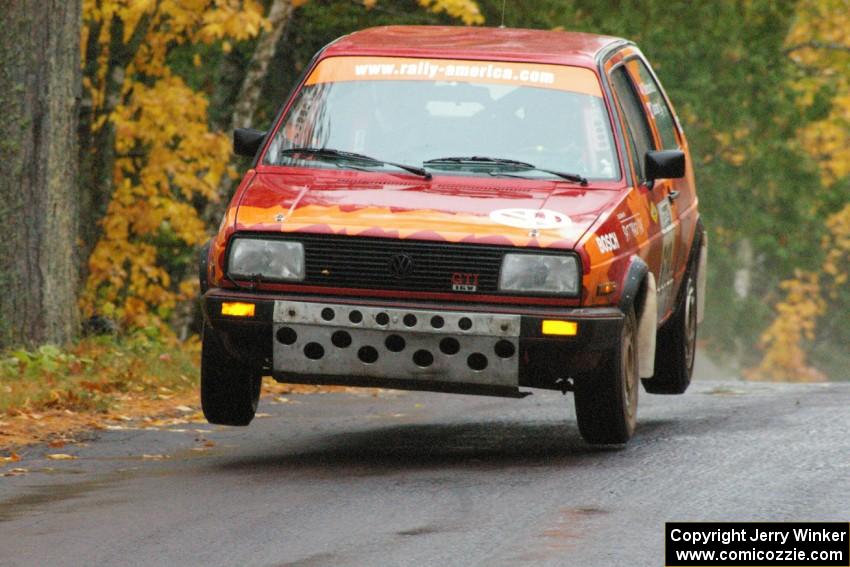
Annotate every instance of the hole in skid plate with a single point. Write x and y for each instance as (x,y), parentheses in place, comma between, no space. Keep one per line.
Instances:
(367,354)
(314,351)
(504,349)
(423,358)
(477,361)
(395,343)
(449,346)
(341,339)
(286,335)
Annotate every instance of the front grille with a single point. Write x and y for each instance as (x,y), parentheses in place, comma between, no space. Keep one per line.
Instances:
(357,262)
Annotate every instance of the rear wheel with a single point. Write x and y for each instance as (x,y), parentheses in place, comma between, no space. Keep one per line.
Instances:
(606,404)
(230,389)
(676,344)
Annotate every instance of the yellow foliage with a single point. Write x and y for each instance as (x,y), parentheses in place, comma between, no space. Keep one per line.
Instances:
(466,11)
(796,316)
(818,42)
(166,155)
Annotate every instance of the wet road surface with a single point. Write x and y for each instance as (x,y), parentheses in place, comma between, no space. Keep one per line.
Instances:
(432,479)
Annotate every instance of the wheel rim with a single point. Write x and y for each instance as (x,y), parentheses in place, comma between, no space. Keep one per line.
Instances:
(256,385)
(690,323)
(630,387)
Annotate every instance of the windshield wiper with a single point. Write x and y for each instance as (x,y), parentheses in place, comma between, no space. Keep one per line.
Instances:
(574,177)
(330,153)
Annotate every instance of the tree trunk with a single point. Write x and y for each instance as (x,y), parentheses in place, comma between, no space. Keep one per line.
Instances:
(39,94)
(243,111)
(249,94)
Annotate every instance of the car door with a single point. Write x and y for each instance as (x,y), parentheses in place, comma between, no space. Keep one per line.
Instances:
(680,194)
(643,135)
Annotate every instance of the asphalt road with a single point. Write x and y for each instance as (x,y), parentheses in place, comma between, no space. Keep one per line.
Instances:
(432,479)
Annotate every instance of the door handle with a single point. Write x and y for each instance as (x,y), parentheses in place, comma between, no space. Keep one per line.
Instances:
(673,195)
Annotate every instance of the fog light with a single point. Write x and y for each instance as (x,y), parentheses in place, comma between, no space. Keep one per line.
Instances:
(552,327)
(237,309)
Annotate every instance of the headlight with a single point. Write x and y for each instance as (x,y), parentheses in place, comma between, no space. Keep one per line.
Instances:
(538,273)
(270,259)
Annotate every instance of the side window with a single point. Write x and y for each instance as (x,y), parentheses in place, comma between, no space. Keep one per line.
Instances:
(638,126)
(655,103)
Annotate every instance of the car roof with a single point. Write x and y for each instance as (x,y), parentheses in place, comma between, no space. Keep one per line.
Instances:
(459,42)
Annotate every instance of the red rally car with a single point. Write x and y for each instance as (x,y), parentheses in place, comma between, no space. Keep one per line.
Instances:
(463,210)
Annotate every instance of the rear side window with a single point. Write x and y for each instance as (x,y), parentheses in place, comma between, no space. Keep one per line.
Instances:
(639,133)
(655,104)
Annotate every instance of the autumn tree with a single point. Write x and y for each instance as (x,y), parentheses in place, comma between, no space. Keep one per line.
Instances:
(814,308)
(148,152)
(39,90)
(152,161)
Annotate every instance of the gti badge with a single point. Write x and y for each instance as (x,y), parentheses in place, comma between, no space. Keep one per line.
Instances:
(464,282)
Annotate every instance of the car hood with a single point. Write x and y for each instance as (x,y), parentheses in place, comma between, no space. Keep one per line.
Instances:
(515,212)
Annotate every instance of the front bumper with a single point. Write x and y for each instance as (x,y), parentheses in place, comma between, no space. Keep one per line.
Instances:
(451,347)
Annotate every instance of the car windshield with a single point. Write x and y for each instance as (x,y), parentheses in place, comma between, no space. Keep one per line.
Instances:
(413,111)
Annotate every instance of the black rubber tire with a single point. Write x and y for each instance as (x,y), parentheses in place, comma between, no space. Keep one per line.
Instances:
(675,343)
(230,389)
(606,403)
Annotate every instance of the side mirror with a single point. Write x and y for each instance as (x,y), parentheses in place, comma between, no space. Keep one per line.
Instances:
(664,164)
(247,141)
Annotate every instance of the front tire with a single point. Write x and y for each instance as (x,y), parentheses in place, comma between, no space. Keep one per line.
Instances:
(676,344)
(606,404)
(230,389)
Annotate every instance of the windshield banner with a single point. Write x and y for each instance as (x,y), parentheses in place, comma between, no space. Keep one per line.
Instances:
(559,77)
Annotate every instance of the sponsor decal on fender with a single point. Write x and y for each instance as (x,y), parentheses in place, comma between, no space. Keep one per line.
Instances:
(607,242)
(632,227)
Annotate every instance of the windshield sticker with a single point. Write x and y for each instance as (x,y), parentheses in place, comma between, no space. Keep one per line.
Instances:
(558,77)
(534,219)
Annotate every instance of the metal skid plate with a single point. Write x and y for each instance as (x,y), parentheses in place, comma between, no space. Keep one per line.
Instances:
(317,339)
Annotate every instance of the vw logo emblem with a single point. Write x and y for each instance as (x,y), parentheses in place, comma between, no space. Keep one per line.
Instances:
(400,265)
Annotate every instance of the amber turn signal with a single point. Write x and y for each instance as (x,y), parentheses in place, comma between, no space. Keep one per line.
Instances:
(554,327)
(606,288)
(237,309)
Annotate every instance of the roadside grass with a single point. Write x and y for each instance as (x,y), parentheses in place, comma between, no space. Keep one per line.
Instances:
(95,374)
(53,394)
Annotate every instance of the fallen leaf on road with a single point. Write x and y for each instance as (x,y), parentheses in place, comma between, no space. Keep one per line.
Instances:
(262,415)
(16,472)
(153,457)
(61,457)
(13,458)
(197,417)
(184,409)
(209,443)
(57,444)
